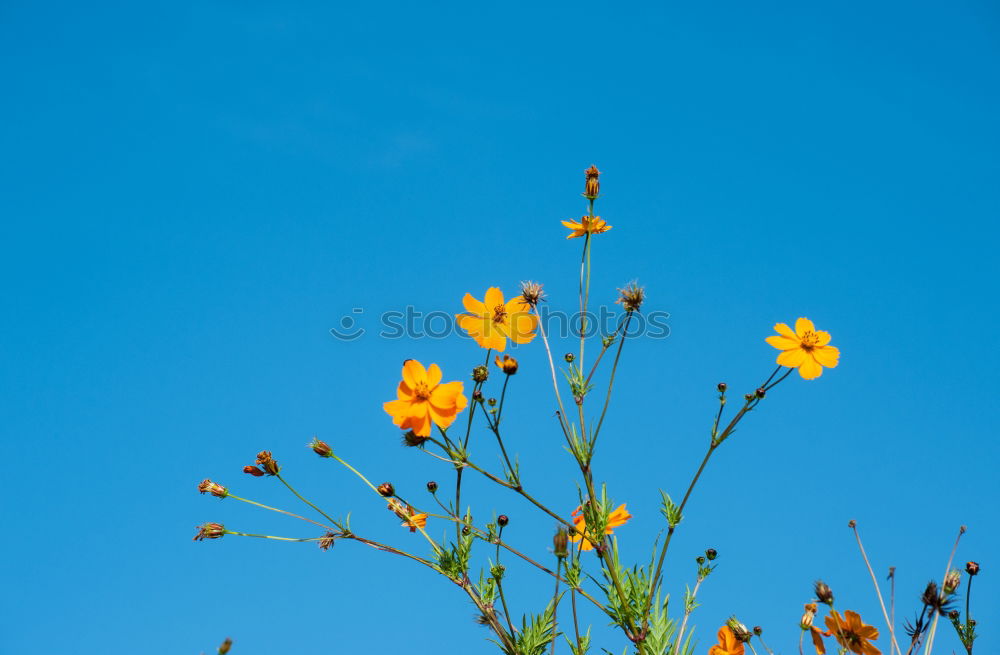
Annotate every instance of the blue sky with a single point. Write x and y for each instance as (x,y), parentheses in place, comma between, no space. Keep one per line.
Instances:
(195,193)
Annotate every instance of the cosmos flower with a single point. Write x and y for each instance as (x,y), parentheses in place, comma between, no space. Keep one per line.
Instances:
(421,399)
(805,349)
(492,321)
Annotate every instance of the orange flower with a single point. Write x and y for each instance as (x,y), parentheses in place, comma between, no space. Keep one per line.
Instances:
(852,633)
(405,512)
(421,399)
(728,643)
(490,322)
(806,348)
(587,225)
(617,518)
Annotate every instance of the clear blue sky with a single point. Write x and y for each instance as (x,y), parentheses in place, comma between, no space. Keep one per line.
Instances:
(194,193)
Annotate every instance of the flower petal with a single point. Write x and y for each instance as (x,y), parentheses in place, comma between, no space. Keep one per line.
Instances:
(791,358)
(804,325)
(522,328)
(472,305)
(826,355)
(783,343)
(494,297)
(823,337)
(784,330)
(433,375)
(810,369)
(413,372)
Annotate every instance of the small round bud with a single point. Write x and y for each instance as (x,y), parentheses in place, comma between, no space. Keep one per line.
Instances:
(492,402)
(972,622)
(700,560)
(386,489)
(226,645)
(466,530)
(760,393)
(477,395)
(432,486)
(852,524)
(569,357)
(748,397)
(953,615)
(722,387)
(711,554)
(480,373)
(502,520)
(972,568)
(757,630)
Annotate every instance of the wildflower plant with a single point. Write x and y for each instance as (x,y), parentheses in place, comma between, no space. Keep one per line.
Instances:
(439,419)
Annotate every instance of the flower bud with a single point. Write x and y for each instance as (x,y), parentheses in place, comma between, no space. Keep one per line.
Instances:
(253,470)
(210,531)
(972,568)
(321,448)
(569,357)
(757,630)
(226,645)
(386,489)
(492,402)
(592,188)
(739,630)
(951,582)
(432,486)
(267,463)
(711,554)
(477,396)
(412,440)
(560,542)
(722,387)
(503,520)
(823,592)
(217,490)
(508,364)
(466,530)
(760,393)
(748,397)
(480,373)
(953,615)
(810,614)
(700,560)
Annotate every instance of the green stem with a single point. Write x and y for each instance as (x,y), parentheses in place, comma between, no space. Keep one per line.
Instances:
(299,496)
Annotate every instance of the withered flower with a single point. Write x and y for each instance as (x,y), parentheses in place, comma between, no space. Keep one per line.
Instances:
(592,189)
(386,489)
(217,490)
(326,541)
(739,630)
(267,463)
(631,297)
(560,543)
(823,592)
(531,293)
(321,448)
(508,364)
(951,582)
(412,440)
(210,531)
(253,470)
(972,568)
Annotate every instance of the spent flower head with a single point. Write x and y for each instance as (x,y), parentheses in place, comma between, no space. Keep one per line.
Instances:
(592,188)
(210,531)
(321,448)
(631,296)
(214,488)
(267,463)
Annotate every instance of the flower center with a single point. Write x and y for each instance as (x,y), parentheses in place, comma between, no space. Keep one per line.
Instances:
(809,340)
(422,391)
(499,314)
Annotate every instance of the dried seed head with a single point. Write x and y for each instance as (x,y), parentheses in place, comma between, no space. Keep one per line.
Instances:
(930,595)
(631,297)
(217,490)
(531,293)
(253,470)
(326,541)
(267,463)
(432,486)
(210,531)
(480,373)
(321,448)
(972,568)
(386,489)
(592,188)
(823,592)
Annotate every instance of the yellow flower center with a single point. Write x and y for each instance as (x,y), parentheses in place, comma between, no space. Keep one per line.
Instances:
(809,340)
(499,314)
(422,391)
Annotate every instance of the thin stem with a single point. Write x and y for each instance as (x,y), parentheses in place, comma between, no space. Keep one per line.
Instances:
(801,634)
(878,592)
(555,382)
(282,511)
(576,622)
(268,536)
(555,610)
(611,381)
(937,615)
(689,607)
(299,496)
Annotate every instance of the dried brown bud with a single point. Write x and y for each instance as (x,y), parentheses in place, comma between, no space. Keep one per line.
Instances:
(326,541)
(823,592)
(700,560)
(477,395)
(972,568)
(432,486)
(852,524)
(560,542)
(253,470)
(508,364)
(210,531)
(412,440)
(386,489)
(953,615)
(711,554)
(502,520)
(757,630)
(492,402)
(321,448)
(569,357)
(207,486)
(592,188)
(760,393)
(951,582)
(480,373)
(739,630)
(810,614)
(466,530)
(267,463)
(930,595)
(631,297)
(722,387)
(226,645)
(531,293)
(748,397)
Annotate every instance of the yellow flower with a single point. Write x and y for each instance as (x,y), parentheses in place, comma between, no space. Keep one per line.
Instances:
(587,225)
(405,512)
(508,364)
(422,399)
(492,321)
(617,518)
(806,348)
(728,643)
(852,633)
